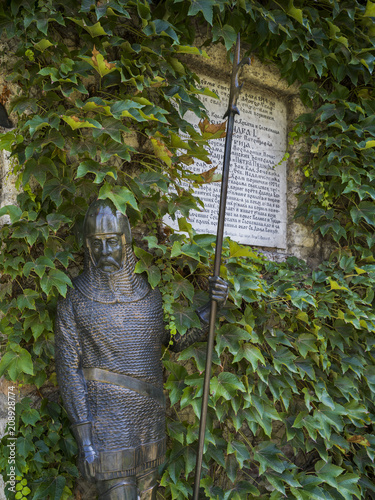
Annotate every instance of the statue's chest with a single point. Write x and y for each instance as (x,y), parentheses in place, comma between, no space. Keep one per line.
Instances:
(120,326)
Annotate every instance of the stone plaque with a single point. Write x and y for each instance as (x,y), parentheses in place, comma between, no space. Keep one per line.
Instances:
(256,203)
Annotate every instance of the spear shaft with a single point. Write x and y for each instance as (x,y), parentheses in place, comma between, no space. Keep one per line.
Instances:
(231,112)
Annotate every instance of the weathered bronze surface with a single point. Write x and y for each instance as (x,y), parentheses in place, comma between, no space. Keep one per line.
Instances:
(109,337)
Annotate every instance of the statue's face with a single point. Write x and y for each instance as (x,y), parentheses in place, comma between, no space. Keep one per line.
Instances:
(106,251)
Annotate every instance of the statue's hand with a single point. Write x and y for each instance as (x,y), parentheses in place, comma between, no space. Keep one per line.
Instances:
(89,459)
(218,290)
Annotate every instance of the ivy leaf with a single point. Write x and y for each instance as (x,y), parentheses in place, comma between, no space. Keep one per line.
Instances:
(50,487)
(43,44)
(54,188)
(226,32)
(94,30)
(226,386)
(198,351)
(161,151)
(365,210)
(112,127)
(75,122)
(230,336)
(27,299)
(148,179)
(112,148)
(55,221)
(185,317)
(306,343)
(182,286)
(97,169)
(204,6)
(39,169)
(251,353)
(119,195)
(267,454)
(25,445)
(36,123)
(243,489)
(176,381)
(13,211)
(30,416)
(370,9)
(240,450)
(15,362)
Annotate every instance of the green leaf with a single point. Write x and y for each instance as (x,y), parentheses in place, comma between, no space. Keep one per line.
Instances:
(96,168)
(27,299)
(55,278)
(243,489)
(13,211)
(119,195)
(7,140)
(43,44)
(30,416)
(240,450)
(204,6)
(225,385)
(51,487)
(226,32)
(54,188)
(15,362)
(182,286)
(111,127)
(365,210)
(267,454)
(251,353)
(230,337)
(198,351)
(185,317)
(306,343)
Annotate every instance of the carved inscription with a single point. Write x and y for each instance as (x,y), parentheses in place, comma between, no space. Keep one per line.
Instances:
(256,204)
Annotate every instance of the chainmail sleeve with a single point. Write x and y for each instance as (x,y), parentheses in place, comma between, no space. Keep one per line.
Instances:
(68,359)
(181,342)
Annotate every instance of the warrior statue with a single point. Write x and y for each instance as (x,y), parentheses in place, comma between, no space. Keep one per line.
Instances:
(109,337)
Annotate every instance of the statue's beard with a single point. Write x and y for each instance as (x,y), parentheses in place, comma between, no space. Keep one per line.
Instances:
(107,261)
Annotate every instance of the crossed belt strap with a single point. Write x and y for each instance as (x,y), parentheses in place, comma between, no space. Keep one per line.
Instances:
(134,384)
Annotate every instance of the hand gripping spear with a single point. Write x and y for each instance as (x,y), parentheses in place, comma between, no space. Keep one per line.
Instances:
(232,110)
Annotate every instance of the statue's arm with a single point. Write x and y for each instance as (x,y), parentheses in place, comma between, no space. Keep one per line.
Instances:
(68,360)
(219,293)
(72,384)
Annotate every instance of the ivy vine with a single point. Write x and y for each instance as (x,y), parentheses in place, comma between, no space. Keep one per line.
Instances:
(101,94)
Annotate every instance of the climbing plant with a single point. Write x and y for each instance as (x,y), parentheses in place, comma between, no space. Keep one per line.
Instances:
(102,89)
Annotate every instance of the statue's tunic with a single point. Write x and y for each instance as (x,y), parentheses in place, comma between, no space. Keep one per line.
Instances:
(114,323)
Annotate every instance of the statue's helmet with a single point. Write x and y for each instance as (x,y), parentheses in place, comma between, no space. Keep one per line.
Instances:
(102,220)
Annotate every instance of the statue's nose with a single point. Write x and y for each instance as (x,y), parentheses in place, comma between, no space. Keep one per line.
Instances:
(105,249)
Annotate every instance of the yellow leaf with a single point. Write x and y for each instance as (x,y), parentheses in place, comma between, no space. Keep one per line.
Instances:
(296,13)
(370,9)
(161,151)
(303,316)
(336,286)
(359,440)
(360,271)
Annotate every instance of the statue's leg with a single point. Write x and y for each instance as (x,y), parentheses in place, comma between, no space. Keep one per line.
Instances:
(122,488)
(147,485)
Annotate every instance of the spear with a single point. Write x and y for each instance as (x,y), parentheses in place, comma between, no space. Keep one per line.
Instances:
(231,112)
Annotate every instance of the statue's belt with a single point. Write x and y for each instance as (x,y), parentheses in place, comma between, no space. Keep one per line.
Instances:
(133,384)
(130,461)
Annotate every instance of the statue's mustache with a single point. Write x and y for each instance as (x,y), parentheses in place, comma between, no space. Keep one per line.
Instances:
(107,260)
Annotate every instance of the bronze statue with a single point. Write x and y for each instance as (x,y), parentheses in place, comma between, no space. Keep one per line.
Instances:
(109,337)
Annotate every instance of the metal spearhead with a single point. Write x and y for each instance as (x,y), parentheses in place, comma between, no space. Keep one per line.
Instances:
(235,86)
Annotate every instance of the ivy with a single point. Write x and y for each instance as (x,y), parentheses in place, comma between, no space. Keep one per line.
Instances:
(102,89)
